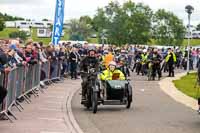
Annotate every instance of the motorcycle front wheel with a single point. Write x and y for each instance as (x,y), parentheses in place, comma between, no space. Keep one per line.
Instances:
(94,102)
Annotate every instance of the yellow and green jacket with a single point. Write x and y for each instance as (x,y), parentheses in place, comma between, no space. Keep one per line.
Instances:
(144,58)
(169,55)
(107,75)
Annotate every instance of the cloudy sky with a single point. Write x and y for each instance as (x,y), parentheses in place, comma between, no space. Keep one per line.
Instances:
(39,9)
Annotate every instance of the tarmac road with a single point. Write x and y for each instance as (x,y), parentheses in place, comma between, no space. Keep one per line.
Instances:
(152,111)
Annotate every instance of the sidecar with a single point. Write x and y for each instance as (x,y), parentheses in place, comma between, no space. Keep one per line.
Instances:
(117,92)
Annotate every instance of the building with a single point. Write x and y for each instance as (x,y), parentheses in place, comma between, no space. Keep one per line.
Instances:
(43,32)
(196,34)
(28,24)
(33,24)
(22,24)
(10,24)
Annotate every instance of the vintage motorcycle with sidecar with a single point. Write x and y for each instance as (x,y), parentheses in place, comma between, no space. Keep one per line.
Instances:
(108,92)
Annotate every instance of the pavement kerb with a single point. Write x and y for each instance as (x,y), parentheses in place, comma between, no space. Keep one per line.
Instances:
(69,118)
(169,88)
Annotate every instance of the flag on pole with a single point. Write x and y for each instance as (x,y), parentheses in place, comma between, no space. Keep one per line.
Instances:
(58,21)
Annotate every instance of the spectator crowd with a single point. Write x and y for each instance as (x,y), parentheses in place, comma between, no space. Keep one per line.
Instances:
(15,54)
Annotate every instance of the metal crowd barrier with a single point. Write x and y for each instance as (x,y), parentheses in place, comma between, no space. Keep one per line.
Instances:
(56,69)
(45,72)
(2,76)
(23,80)
(20,81)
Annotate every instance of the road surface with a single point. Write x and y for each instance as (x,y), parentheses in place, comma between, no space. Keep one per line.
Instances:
(152,111)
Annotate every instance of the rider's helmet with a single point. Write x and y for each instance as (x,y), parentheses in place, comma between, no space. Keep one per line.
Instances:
(112,63)
(144,51)
(105,52)
(112,66)
(91,48)
(123,51)
(139,51)
(118,48)
(91,51)
(155,51)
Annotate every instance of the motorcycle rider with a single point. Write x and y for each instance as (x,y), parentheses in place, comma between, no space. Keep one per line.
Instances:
(156,58)
(137,59)
(123,61)
(144,61)
(108,74)
(89,61)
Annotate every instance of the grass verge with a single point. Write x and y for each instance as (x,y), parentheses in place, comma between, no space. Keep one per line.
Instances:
(186,85)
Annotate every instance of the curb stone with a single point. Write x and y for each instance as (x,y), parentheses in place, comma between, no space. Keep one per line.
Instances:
(169,88)
(69,118)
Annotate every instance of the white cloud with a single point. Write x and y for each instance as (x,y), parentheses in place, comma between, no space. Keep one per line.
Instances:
(39,9)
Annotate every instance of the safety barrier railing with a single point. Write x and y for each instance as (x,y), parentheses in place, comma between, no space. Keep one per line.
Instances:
(55,69)
(25,80)
(45,71)
(2,77)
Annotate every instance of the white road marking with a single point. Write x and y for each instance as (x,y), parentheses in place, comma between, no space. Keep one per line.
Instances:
(51,119)
(50,132)
(49,96)
(51,102)
(49,109)
(142,90)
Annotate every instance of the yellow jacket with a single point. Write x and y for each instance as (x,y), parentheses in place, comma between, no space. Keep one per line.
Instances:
(169,55)
(107,75)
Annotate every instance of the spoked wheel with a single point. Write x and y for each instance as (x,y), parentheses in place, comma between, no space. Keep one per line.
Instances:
(88,104)
(94,102)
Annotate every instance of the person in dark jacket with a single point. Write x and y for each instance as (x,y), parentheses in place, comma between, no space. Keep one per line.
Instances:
(90,61)
(12,62)
(62,58)
(73,58)
(30,55)
(3,70)
(3,60)
(156,59)
(170,60)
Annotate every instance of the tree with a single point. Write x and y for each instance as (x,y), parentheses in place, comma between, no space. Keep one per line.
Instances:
(45,19)
(86,19)
(138,22)
(115,27)
(198,27)
(168,29)
(7,17)
(100,21)
(79,29)
(2,25)
(127,23)
(19,34)
(76,37)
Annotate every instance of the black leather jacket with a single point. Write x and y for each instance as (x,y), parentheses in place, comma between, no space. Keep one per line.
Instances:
(93,62)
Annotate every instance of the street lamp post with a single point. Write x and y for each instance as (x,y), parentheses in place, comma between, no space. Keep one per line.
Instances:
(189,9)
